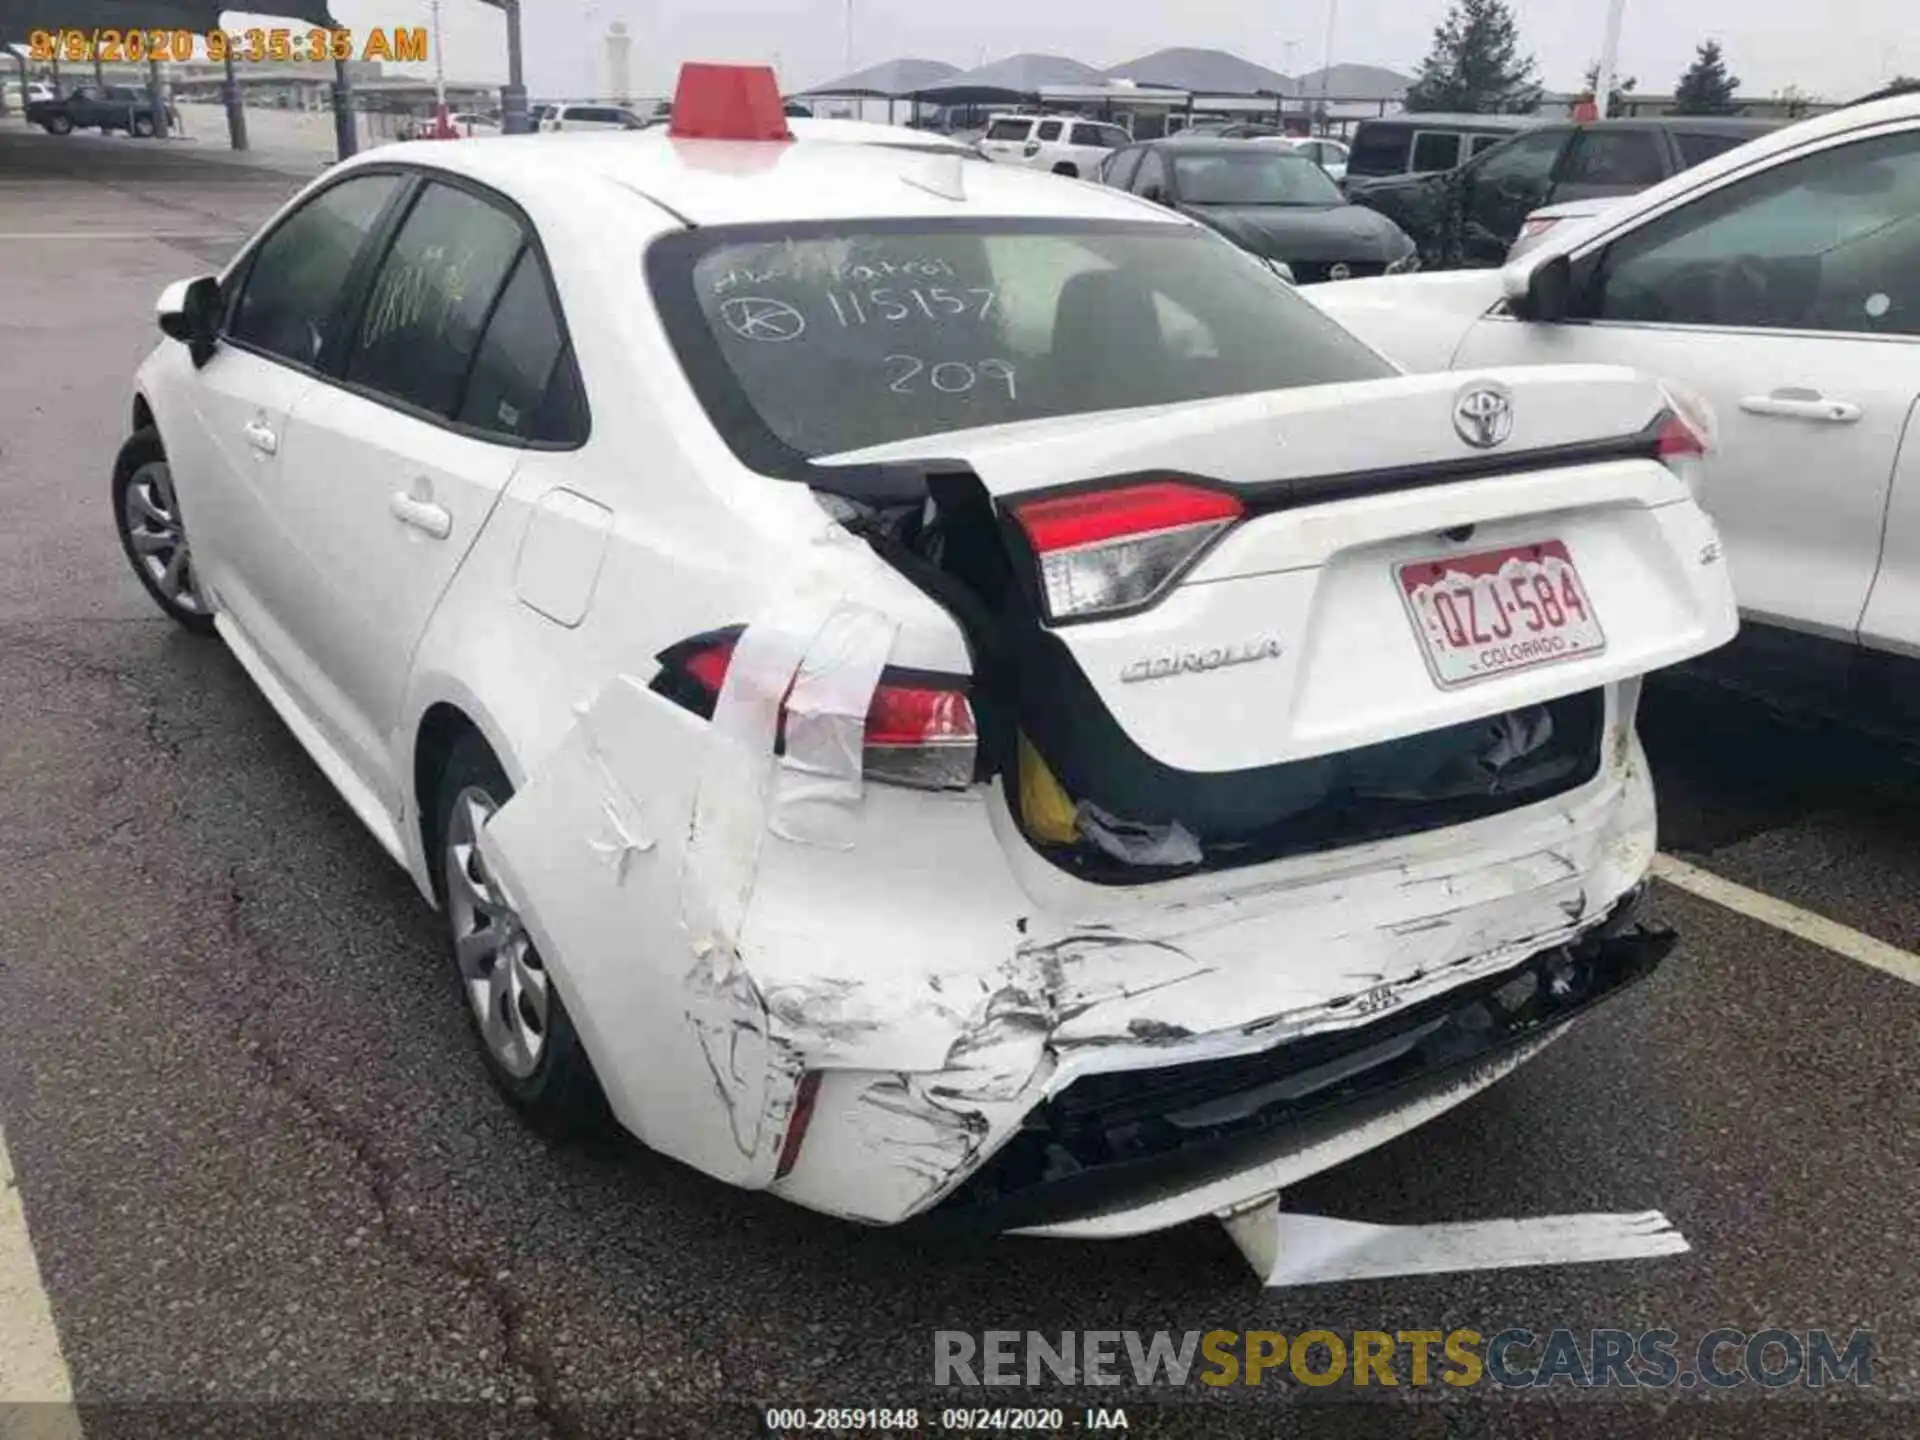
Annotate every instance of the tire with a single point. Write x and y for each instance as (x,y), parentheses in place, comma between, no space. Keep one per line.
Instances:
(152,530)
(551,1084)
(58,125)
(1068,169)
(143,126)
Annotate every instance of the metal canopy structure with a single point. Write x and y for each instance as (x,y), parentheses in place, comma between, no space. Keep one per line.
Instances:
(1016,78)
(891,80)
(1205,72)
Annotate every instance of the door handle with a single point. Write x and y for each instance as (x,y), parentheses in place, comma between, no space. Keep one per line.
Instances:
(421,514)
(1802,405)
(261,436)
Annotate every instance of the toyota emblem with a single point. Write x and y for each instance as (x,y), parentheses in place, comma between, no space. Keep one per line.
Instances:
(1483,416)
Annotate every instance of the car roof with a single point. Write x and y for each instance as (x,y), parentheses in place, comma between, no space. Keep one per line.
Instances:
(1440,120)
(721,182)
(871,132)
(1706,124)
(1221,145)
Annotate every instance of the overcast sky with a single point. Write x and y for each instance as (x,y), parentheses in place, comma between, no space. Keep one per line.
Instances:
(1839,48)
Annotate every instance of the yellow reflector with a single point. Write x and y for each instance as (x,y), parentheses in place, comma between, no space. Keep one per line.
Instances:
(1044,804)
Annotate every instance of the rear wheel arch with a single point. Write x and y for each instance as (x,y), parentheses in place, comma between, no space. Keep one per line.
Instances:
(440,729)
(1067,168)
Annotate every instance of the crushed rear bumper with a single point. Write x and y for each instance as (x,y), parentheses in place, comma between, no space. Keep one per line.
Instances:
(1136,1150)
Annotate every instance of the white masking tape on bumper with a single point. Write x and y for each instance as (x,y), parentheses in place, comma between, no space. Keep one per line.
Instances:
(817,796)
(1287,1249)
(730,807)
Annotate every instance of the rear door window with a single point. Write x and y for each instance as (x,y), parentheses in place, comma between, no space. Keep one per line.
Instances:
(1152,177)
(1007,130)
(1379,150)
(1435,150)
(293,283)
(432,294)
(1614,158)
(1696,146)
(523,383)
(1119,169)
(1049,130)
(1483,142)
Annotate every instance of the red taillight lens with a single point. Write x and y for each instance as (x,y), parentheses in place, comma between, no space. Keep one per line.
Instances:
(920,730)
(1102,551)
(1677,438)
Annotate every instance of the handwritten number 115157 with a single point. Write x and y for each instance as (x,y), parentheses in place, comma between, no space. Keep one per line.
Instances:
(936,303)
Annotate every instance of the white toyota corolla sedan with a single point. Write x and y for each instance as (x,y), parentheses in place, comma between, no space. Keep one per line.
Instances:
(918,686)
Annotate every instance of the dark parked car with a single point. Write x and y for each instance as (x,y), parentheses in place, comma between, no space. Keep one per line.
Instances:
(1267,199)
(1472,214)
(1420,144)
(97,107)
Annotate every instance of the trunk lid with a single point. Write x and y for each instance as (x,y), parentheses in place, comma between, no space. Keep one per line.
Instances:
(1294,634)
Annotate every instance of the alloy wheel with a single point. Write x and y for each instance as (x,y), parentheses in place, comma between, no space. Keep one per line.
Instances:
(159,537)
(506,982)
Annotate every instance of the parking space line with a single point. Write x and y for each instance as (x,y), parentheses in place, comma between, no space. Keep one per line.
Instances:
(1804,924)
(36,1395)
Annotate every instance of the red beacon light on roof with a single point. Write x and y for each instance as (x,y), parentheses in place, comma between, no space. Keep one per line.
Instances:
(728,102)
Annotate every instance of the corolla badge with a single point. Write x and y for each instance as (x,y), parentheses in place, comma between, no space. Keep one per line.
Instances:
(1483,416)
(1187,662)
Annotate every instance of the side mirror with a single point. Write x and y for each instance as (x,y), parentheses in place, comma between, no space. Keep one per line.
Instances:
(189,311)
(1541,291)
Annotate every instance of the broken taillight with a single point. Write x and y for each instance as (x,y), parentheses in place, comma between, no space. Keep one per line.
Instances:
(920,729)
(1677,438)
(1103,552)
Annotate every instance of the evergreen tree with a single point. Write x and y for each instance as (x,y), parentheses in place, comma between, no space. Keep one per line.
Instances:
(1620,89)
(1706,88)
(1476,66)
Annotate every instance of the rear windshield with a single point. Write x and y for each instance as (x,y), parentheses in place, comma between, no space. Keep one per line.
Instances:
(1379,150)
(1252,177)
(811,340)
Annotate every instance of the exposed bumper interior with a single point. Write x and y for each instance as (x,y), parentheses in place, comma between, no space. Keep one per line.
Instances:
(1119,1138)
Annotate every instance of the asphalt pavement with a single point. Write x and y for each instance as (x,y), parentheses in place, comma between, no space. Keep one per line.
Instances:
(270,1191)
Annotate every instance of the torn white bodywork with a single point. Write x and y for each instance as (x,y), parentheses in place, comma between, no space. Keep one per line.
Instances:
(1291,1249)
(943,977)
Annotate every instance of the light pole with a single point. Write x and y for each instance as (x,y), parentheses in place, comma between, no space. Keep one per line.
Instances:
(441,125)
(1326,70)
(1609,59)
(849,37)
(513,96)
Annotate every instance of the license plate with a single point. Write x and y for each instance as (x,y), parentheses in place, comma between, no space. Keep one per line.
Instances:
(1497,611)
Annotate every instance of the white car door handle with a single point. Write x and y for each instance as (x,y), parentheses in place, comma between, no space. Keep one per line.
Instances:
(261,436)
(421,514)
(1802,405)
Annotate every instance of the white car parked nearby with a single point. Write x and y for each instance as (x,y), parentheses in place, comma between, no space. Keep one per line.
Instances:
(1779,281)
(587,117)
(1064,144)
(1329,155)
(919,686)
